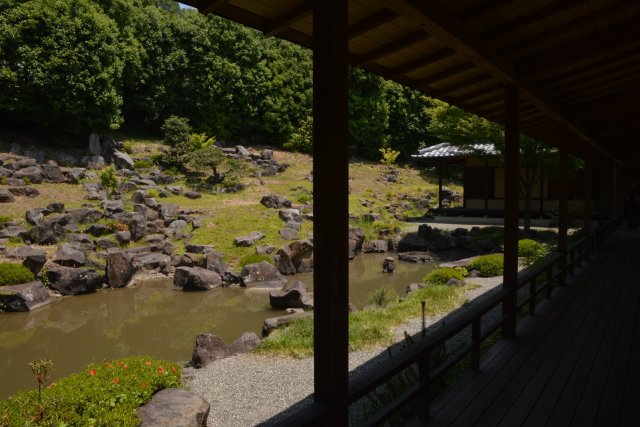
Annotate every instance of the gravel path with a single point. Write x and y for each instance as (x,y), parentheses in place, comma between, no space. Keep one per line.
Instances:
(250,389)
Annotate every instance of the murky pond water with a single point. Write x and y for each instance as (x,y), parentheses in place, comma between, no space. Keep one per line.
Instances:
(153,319)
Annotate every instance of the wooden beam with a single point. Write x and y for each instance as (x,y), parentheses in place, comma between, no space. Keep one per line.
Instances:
(421,62)
(480,92)
(591,20)
(461,85)
(212,6)
(443,75)
(600,82)
(530,18)
(288,18)
(371,22)
(331,210)
(511,208)
(619,83)
(442,24)
(482,8)
(391,48)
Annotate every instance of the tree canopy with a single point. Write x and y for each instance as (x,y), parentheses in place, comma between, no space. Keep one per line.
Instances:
(73,67)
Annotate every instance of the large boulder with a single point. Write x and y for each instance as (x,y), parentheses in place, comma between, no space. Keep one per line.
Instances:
(70,255)
(208,348)
(274,322)
(53,173)
(85,215)
(33,259)
(356,239)
(289,233)
(290,215)
(24,297)
(6,196)
(153,262)
(196,279)
(119,269)
(262,275)
(72,281)
(24,191)
(275,202)
(249,239)
(283,261)
(292,295)
(31,173)
(13,231)
(416,257)
(245,344)
(174,407)
(376,246)
(214,261)
(122,160)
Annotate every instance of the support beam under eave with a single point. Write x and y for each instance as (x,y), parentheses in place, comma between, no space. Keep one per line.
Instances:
(563,216)
(330,195)
(511,208)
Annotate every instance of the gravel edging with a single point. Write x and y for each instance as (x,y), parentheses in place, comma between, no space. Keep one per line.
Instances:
(251,389)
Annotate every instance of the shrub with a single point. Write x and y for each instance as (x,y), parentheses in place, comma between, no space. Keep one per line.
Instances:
(142,164)
(389,156)
(102,394)
(488,265)
(109,180)
(127,147)
(14,274)
(177,136)
(382,297)
(4,220)
(440,276)
(153,193)
(531,252)
(254,259)
(302,139)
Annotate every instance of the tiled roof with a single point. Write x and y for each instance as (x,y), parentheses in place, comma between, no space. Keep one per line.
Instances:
(446,150)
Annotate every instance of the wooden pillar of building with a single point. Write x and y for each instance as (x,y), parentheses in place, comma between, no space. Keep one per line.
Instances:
(563,215)
(331,208)
(541,193)
(588,196)
(487,180)
(511,208)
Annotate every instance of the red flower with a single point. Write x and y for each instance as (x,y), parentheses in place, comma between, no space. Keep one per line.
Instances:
(120,363)
(173,369)
(160,370)
(115,380)
(92,372)
(147,363)
(126,366)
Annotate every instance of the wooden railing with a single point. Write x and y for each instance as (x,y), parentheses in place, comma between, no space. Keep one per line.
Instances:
(541,279)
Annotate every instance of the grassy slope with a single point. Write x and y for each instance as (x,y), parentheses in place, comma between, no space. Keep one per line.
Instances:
(230,215)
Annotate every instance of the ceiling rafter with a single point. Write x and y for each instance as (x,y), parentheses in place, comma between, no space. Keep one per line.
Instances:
(425,82)
(461,84)
(289,18)
(531,18)
(371,22)
(390,48)
(420,62)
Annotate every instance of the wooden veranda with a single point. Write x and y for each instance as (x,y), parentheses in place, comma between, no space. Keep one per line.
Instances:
(564,72)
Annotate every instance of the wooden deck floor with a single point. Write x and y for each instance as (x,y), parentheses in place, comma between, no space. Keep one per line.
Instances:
(577,363)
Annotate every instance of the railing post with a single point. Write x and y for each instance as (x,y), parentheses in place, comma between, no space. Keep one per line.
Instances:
(511,208)
(475,339)
(424,374)
(532,295)
(563,220)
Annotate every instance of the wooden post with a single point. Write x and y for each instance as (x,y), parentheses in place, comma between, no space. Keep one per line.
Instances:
(486,188)
(440,186)
(541,193)
(563,218)
(512,208)
(588,181)
(331,208)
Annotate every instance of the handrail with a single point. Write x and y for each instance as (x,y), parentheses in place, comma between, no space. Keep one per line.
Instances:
(420,352)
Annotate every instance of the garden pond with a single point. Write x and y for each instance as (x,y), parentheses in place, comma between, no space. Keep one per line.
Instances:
(153,319)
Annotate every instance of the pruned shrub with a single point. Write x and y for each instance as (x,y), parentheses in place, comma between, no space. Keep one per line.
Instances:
(254,259)
(440,276)
(14,274)
(142,164)
(488,265)
(531,252)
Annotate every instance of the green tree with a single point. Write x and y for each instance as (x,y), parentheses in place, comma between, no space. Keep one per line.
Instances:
(455,126)
(60,66)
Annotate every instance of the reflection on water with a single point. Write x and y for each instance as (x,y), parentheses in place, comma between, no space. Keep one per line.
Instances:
(153,319)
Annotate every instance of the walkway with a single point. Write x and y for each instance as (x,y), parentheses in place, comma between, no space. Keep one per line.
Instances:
(575,364)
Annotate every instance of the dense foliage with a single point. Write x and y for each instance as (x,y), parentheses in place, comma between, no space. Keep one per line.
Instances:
(531,252)
(104,394)
(488,265)
(79,66)
(440,276)
(14,274)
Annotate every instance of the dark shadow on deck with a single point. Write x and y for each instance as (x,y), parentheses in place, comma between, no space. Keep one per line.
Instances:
(575,363)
